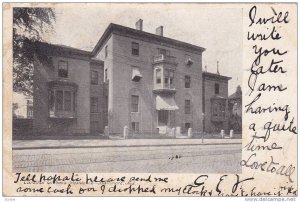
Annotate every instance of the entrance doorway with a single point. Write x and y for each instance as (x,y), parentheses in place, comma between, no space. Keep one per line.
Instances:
(163,118)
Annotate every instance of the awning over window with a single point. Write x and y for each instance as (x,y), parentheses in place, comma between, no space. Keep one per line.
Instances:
(136,74)
(165,103)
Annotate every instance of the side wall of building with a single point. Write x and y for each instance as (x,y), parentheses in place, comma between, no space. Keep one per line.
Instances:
(97,90)
(105,54)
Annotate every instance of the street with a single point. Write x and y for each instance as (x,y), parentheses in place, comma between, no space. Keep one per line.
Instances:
(149,159)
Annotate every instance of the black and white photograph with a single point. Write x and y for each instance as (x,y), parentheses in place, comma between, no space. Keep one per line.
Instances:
(127,90)
(150,99)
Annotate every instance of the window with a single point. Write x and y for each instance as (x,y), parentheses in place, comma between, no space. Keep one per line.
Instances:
(67,100)
(187,81)
(105,52)
(163,52)
(158,76)
(215,109)
(29,111)
(187,126)
(169,78)
(135,126)
(217,88)
(59,100)
(135,48)
(105,75)
(222,110)
(51,100)
(218,109)
(134,103)
(187,106)
(63,69)
(94,77)
(63,100)
(94,105)
(171,75)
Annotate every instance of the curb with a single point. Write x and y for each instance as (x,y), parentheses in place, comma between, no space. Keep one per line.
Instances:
(106,146)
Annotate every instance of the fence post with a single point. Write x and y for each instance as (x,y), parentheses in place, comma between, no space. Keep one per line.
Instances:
(125,132)
(178,131)
(106,131)
(222,133)
(231,133)
(190,134)
(173,132)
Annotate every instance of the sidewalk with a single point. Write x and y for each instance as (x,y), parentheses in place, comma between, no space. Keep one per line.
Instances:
(98,143)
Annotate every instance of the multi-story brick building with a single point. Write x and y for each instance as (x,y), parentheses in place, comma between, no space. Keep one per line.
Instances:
(133,78)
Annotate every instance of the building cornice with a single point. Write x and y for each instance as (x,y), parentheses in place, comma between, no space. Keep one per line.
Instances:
(144,36)
(61,51)
(209,75)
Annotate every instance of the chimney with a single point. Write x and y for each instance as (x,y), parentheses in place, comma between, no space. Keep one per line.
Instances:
(139,25)
(160,31)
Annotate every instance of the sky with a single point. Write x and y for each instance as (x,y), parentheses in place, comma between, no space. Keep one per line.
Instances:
(219,30)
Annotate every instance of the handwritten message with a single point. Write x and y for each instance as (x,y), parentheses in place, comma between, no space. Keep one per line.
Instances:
(202,185)
(273,116)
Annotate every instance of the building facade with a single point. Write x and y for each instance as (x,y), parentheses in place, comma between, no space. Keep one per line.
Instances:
(154,82)
(215,99)
(68,93)
(147,82)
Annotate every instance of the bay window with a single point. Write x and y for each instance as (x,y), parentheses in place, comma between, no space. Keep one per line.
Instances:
(169,78)
(59,100)
(158,76)
(67,100)
(163,78)
(62,100)
(218,109)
